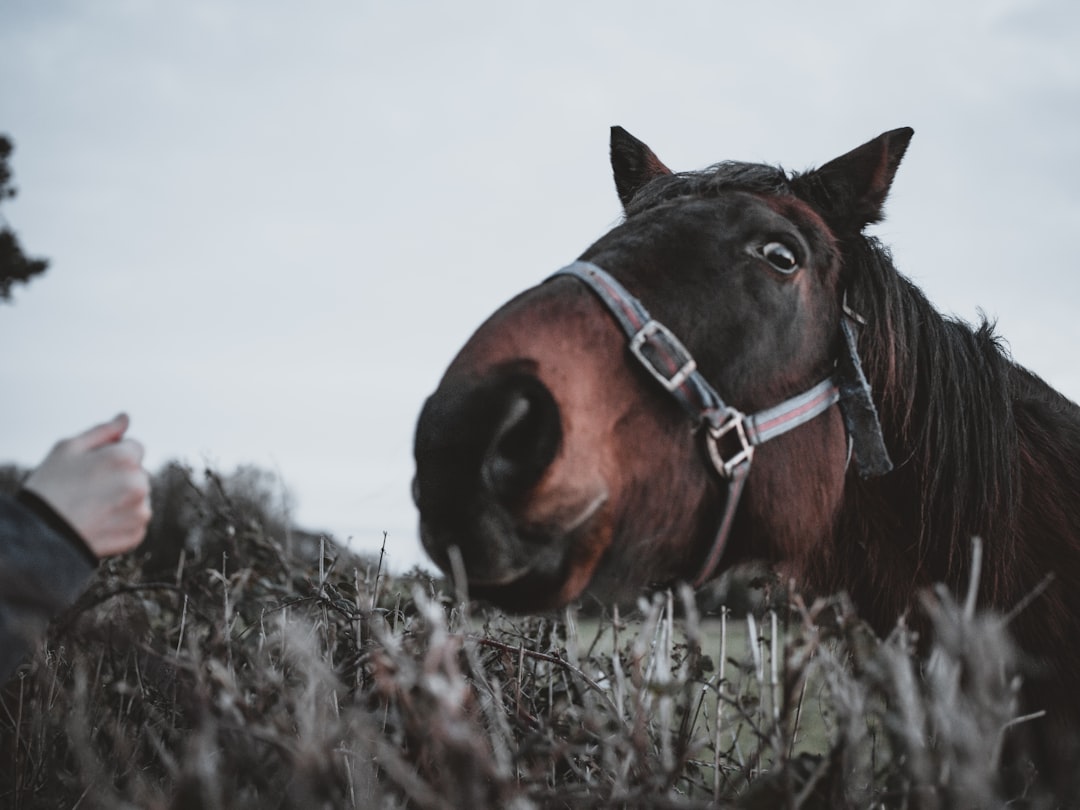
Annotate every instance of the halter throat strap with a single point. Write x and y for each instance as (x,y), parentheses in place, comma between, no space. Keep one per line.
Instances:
(730,436)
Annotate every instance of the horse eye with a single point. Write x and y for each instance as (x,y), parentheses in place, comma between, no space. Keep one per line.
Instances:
(780,256)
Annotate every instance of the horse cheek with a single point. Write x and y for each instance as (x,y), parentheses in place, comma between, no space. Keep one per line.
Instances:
(796,493)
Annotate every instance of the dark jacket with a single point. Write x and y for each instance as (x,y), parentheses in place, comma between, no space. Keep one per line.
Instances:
(44,566)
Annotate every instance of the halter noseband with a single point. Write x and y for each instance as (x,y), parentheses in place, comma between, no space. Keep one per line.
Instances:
(670,364)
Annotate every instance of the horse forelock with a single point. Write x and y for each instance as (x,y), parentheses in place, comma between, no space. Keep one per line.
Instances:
(770,183)
(719,178)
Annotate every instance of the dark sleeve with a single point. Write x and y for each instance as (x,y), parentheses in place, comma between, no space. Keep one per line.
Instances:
(44,566)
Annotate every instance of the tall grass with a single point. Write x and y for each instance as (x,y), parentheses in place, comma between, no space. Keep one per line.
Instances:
(249,676)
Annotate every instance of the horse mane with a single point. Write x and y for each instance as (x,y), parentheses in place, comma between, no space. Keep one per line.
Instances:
(982,448)
(945,392)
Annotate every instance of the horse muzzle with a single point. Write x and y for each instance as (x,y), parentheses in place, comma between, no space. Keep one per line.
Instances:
(484,451)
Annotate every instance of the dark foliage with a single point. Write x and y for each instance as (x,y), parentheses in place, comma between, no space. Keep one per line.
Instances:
(15,266)
(246,676)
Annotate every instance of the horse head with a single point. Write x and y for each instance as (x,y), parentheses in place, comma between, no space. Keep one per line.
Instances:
(569,447)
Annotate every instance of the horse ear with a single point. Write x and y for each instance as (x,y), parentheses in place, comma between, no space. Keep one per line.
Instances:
(633,163)
(850,191)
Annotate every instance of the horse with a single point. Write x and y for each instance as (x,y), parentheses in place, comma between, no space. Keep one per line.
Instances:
(738,371)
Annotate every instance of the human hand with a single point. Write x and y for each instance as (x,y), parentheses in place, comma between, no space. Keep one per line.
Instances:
(96,482)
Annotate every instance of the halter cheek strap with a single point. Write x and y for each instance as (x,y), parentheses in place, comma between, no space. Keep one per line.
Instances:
(730,435)
(857,406)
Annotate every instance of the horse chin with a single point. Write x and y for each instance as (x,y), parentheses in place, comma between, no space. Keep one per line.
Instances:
(531,593)
(540,567)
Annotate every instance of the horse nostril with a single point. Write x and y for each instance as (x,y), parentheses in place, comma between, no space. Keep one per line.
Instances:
(525,439)
(481,444)
(509,444)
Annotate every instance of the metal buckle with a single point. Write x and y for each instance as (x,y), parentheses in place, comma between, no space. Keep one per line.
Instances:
(735,420)
(669,344)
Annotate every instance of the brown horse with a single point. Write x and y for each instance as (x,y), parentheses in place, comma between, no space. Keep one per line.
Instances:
(692,391)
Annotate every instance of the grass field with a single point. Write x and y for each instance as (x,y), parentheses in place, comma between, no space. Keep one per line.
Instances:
(248,675)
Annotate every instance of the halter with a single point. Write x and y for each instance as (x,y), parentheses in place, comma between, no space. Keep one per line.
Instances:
(671,364)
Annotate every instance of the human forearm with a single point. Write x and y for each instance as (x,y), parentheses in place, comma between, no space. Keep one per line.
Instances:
(43,569)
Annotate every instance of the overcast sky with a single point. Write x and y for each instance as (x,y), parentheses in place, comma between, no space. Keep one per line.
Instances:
(271,225)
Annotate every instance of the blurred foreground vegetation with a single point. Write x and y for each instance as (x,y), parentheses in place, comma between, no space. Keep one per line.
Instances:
(240,663)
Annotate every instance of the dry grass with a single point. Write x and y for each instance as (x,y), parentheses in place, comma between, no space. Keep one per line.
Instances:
(248,677)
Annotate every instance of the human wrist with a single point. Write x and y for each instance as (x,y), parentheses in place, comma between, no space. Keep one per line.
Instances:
(54,520)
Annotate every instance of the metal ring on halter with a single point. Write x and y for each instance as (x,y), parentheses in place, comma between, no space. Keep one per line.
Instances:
(734,422)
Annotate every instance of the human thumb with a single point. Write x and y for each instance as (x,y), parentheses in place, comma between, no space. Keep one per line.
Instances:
(101,435)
